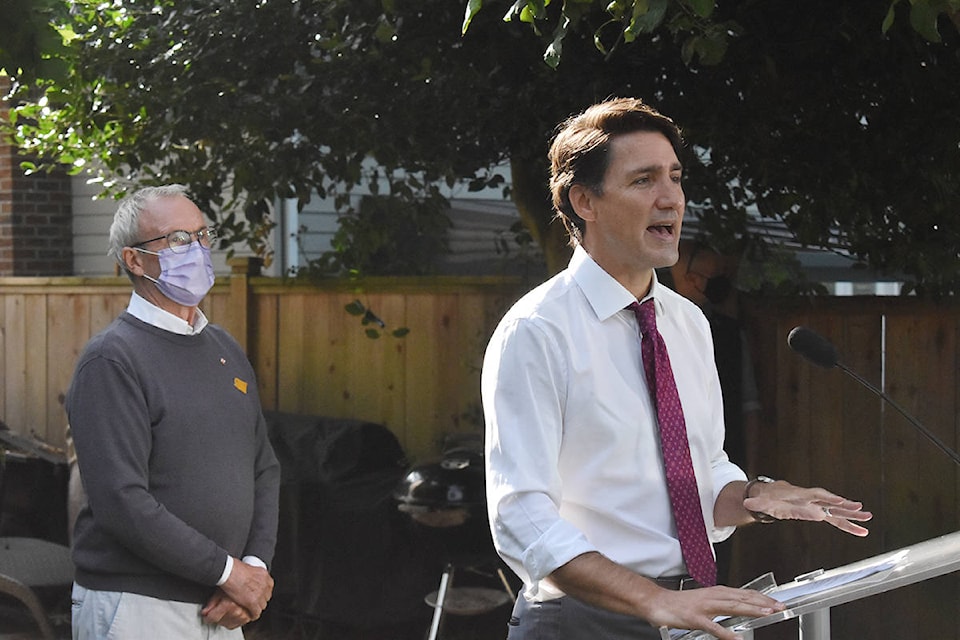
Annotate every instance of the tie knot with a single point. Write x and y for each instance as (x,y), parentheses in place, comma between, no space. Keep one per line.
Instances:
(646,316)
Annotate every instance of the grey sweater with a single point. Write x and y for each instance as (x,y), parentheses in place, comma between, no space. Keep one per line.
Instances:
(175,459)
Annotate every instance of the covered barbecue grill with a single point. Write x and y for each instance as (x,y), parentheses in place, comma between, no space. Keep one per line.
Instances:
(446,500)
(446,494)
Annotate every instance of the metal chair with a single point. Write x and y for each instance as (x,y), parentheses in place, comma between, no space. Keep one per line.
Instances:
(27,564)
(25,594)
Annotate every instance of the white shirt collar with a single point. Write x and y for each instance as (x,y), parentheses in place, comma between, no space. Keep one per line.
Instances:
(605,295)
(152,314)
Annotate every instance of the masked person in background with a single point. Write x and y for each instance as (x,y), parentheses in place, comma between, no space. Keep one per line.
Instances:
(181,481)
(703,276)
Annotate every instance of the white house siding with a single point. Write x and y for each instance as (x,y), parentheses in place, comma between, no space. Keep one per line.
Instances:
(91,229)
(479,220)
(319,222)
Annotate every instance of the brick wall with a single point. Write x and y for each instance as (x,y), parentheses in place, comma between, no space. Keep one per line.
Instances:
(36,229)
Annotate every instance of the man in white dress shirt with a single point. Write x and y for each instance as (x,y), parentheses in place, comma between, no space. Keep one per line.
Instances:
(576,488)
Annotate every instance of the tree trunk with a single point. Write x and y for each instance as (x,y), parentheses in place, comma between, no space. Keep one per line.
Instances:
(531,195)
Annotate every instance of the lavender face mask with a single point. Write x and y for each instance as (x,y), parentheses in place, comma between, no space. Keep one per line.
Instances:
(185,277)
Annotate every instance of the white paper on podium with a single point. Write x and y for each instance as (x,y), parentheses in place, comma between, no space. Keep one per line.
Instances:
(806,585)
(830,579)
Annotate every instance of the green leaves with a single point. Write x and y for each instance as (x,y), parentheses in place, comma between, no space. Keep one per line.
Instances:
(647,15)
(30,45)
(621,22)
(808,117)
(704,38)
(368,317)
(925,16)
(703,8)
(473,6)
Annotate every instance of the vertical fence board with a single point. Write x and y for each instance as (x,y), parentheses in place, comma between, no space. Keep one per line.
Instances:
(433,374)
(475,328)
(290,346)
(392,399)
(264,347)
(15,363)
(215,307)
(358,358)
(68,319)
(35,391)
(326,354)
(443,366)
(419,390)
(375,366)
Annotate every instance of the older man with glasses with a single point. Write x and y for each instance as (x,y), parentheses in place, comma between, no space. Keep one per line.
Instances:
(181,480)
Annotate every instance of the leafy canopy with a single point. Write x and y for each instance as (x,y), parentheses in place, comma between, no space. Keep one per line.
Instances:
(623,21)
(251,101)
(837,120)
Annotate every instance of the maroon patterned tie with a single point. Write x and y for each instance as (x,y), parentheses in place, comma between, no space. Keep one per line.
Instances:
(681,480)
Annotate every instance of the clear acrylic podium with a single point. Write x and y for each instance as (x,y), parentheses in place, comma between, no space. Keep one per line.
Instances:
(810,597)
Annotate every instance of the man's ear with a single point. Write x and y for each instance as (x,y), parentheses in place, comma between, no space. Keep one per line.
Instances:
(133,260)
(581,199)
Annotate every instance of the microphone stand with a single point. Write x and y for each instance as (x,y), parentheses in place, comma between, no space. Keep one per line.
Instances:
(916,423)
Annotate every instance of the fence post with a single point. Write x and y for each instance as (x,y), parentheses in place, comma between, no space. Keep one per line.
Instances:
(239,311)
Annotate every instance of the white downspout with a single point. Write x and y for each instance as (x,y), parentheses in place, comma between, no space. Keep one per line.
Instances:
(291,228)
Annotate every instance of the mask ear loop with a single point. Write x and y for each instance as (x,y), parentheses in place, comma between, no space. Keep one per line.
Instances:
(124,266)
(153,253)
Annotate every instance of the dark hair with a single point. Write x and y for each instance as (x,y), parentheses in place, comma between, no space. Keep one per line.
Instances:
(579,152)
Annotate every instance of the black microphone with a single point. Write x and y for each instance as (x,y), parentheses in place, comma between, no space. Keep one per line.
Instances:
(818,350)
(812,346)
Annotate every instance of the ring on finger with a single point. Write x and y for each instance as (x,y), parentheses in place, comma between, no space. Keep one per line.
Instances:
(826,511)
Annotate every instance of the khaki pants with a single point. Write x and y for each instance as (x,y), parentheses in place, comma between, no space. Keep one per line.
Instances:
(109,615)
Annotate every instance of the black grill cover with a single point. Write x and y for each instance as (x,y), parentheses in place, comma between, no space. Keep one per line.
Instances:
(345,555)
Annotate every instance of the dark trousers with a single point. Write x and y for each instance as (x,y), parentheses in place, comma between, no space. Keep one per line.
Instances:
(567,618)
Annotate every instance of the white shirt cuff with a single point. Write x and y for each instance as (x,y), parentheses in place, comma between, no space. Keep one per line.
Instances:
(227,568)
(253,561)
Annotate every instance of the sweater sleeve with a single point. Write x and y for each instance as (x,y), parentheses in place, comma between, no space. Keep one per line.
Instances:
(263,529)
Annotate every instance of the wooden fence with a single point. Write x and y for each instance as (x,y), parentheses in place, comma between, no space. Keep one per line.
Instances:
(821,427)
(310,355)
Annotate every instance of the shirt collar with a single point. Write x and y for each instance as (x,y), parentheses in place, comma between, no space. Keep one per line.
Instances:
(152,314)
(605,295)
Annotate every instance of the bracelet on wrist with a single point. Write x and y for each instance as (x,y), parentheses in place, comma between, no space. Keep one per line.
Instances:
(759,516)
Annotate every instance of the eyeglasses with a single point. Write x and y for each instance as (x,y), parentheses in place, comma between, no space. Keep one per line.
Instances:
(179,241)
